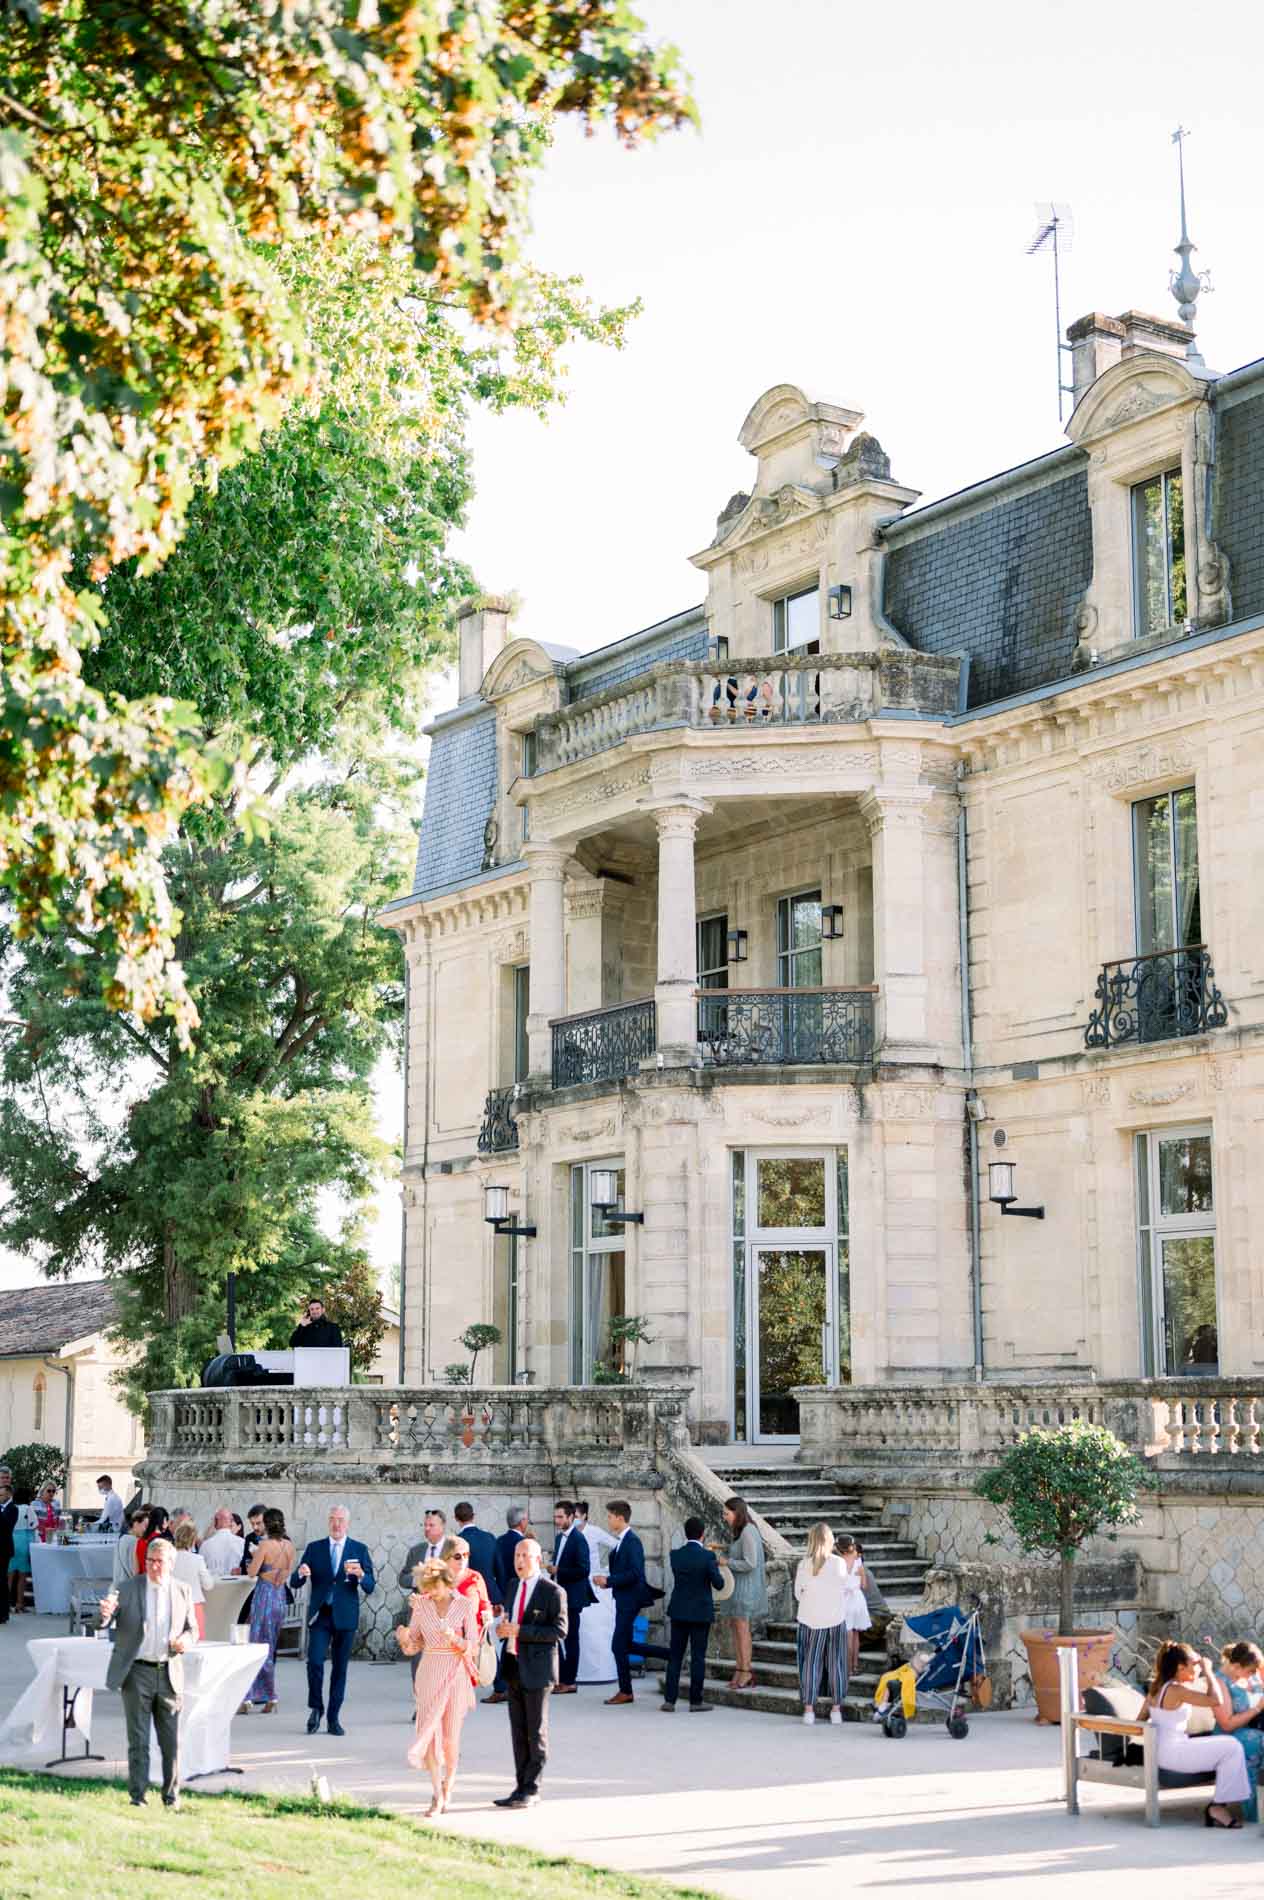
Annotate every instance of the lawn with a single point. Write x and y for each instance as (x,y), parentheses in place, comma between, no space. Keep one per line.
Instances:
(62,1837)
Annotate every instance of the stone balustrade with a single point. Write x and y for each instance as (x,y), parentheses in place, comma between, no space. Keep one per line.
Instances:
(483,1427)
(745,695)
(901,1428)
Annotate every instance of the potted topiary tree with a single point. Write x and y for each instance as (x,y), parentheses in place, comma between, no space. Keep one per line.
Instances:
(1058,1487)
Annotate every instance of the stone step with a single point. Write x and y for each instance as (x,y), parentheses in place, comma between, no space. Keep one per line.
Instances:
(777,1701)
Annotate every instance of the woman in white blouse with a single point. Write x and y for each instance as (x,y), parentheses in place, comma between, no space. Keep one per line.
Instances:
(820,1586)
(191,1567)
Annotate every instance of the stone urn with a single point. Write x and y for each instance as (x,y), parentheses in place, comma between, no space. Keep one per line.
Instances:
(1042,1648)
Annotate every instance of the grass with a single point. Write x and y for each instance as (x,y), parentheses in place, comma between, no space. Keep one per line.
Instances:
(63,1837)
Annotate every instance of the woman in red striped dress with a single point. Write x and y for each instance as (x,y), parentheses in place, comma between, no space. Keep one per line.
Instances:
(444,1627)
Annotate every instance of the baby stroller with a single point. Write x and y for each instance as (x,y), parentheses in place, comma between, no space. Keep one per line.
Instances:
(948,1660)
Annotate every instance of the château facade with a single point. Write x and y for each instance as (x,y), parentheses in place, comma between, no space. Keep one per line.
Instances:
(744,949)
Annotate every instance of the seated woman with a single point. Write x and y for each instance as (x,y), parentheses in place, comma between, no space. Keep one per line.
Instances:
(1240,1666)
(1169,1699)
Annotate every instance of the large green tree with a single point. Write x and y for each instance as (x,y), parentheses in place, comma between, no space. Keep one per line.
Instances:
(152,159)
(302,613)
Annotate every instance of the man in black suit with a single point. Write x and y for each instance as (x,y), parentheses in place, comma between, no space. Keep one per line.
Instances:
(519,1527)
(482,1550)
(8,1525)
(533,1629)
(632,1593)
(571,1565)
(691,1612)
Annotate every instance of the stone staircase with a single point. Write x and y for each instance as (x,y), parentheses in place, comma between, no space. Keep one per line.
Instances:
(792,1498)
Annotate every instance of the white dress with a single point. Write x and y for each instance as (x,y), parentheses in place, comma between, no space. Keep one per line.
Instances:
(855,1610)
(596,1628)
(1200,1754)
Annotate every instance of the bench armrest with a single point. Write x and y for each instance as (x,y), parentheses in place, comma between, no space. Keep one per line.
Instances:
(1108,1725)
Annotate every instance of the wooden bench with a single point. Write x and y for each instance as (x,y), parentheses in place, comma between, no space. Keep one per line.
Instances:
(1144,1774)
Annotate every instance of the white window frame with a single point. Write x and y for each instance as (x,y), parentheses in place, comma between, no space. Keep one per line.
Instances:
(781,617)
(582,1348)
(1163,476)
(1160,1227)
(786,958)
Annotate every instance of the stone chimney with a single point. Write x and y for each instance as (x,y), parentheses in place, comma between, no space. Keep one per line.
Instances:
(1098,342)
(482,624)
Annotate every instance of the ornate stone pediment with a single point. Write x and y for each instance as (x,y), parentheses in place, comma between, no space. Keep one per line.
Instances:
(521,663)
(1131,389)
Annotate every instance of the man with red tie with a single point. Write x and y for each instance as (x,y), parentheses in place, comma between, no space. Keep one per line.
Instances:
(533,1630)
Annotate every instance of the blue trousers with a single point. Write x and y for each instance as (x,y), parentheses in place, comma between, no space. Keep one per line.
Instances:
(624,1643)
(324,1641)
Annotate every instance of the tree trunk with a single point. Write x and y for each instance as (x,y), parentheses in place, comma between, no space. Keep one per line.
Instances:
(1066,1594)
(179,1288)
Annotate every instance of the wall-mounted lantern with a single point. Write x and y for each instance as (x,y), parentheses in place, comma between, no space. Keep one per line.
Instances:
(603,1189)
(737,941)
(840,603)
(1001,1190)
(496,1214)
(831,922)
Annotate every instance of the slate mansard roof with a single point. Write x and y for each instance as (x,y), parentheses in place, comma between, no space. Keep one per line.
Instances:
(41,1319)
(996,572)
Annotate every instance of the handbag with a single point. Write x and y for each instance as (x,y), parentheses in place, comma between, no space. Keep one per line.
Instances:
(487,1660)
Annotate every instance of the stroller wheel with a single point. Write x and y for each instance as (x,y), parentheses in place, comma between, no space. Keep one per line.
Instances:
(895,1726)
(958,1727)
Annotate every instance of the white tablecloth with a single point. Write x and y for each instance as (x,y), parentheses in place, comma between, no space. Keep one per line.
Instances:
(54,1567)
(216,1677)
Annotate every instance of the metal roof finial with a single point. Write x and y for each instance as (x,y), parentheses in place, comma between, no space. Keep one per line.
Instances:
(1186,283)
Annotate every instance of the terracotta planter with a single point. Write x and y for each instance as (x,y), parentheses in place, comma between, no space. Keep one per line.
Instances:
(1042,1648)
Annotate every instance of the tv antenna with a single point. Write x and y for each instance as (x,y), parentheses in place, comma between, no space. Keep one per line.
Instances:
(1055,228)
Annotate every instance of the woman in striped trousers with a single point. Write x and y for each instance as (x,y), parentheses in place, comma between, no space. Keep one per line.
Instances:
(820,1591)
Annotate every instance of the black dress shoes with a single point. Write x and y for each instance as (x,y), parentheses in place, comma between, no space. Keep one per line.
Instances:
(335,1728)
(519,1801)
(313,1721)
(509,1800)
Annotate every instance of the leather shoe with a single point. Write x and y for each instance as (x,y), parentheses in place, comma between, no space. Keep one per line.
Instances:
(565,1688)
(313,1721)
(138,1801)
(499,1696)
(175,1804)
(613,1701)
(669,1708)
(335,1728)
(522,1801)
(508,1800)
(701,1708)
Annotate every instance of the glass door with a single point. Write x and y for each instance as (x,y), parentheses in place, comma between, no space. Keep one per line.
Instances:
(1177,1233)
(1168,904)
(792,1290)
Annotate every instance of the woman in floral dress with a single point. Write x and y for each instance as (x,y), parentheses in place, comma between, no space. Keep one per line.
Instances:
(444,1627)
(271,1567)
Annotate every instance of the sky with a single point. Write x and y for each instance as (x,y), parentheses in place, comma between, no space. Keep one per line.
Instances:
(853,217)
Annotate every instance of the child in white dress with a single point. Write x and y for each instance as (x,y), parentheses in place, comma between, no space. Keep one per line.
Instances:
(855,1610)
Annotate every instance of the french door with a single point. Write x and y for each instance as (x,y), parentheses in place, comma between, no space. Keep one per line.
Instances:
(793,1322)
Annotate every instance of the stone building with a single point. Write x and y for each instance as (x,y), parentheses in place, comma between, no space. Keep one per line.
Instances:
(930,839)
(57,1366)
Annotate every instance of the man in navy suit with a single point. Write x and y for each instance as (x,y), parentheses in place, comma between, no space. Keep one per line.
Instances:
(506,1579)
(626,1578)
(482,1550)
(692,1612)
(338,1569)
(572,1563)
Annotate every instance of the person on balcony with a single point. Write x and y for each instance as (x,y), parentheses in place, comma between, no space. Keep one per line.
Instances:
(315,1328)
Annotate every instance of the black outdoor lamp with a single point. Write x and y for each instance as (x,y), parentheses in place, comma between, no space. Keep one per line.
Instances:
(1001,1190)
(603,1188)
(840,603)
(831,922)
(737,940)
(496,1214)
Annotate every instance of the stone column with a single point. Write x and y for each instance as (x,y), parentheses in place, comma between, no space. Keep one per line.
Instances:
(677,931)
(546,864)
(895,820)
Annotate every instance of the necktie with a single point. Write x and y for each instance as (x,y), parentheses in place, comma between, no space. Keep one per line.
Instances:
(336,1557)
(522,1604)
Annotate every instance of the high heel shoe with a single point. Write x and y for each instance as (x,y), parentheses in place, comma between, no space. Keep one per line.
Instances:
(1209,1819)
(269,1708)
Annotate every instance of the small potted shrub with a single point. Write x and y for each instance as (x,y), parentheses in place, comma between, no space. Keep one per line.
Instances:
(1058,1487)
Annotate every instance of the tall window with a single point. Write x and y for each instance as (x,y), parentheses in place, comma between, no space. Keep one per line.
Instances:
(713,973)
(598,1277)
(521,1006)
(505,1310)
(796,622)
(1165,870)
(799,941)
(1176,1246)
(1158,552)
(526,769)
(39,1404)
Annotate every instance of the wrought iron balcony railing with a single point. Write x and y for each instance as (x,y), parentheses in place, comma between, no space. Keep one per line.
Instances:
(784,1026)
(1153,998)
(602,1045)
(499,1131)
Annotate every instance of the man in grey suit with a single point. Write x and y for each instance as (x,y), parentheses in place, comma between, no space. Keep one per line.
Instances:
(154,1624)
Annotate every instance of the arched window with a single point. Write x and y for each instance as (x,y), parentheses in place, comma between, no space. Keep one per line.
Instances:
(39,1403)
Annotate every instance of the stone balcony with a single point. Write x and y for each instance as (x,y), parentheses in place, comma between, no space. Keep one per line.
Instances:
(1184,1428)
(740,695)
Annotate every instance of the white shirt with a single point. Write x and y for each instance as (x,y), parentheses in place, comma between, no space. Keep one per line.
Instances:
(221,1552)
(111,1517)
(822,1598)
(520,1601)
(433,1552)
(156,1642)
